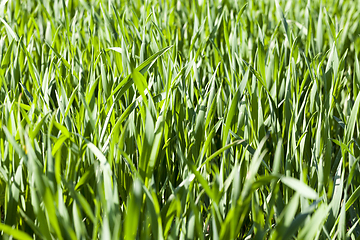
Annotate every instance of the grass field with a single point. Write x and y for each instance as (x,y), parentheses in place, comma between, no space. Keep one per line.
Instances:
(179,119)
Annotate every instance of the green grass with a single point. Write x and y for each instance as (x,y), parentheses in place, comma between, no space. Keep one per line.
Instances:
(179,119)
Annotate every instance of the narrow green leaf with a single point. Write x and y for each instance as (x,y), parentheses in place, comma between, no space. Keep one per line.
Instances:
(299,186)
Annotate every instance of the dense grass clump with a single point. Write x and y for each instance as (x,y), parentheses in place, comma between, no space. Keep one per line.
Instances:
(179,119)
